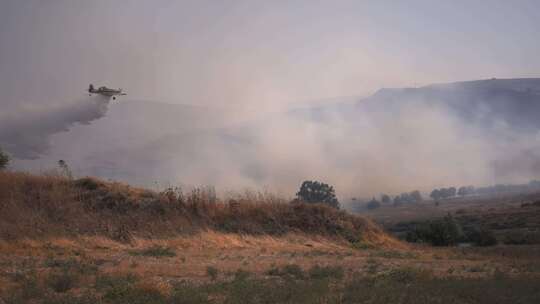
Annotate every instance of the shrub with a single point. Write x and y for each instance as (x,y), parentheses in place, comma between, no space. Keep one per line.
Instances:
(522,238)
(4,160)
(87,183)
(324,272)
(482,237)
(62,282)
(291,270)
(241,275)
(212,272)
(445,232)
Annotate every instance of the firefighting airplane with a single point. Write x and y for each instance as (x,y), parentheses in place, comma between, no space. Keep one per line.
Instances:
(105,91)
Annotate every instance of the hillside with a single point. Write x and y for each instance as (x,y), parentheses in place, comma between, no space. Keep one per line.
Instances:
(54,206)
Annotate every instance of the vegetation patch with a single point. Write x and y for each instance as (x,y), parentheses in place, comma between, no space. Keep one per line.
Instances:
(53,206)
(291,270)
(62,282)
(212,272)
(326,272)
(154,251)
(398,285)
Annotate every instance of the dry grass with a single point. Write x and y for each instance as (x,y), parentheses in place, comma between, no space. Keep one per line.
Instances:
(286,271)
(89,241)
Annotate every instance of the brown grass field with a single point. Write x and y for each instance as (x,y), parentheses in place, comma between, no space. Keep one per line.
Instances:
(90,241)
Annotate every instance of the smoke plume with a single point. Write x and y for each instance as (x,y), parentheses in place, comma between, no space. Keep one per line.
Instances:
(25,132)
(472,133)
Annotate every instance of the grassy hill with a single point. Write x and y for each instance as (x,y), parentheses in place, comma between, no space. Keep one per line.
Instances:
(54,206)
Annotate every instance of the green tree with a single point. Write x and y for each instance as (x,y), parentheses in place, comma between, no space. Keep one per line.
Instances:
(373,204)
(462,191)
(452,191)
(416,196)
(4,160)
(316,192)
(397,200)
(435,194)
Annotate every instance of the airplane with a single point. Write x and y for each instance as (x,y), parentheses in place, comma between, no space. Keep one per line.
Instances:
(105,91)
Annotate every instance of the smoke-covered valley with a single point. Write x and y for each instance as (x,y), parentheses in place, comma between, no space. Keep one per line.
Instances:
(478,132)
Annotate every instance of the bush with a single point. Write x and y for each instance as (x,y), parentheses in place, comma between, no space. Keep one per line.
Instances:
(324,272)
(212,272)
(4,160)
(62,282)
(522,238)
(445,232)
(482,237)
(291,270)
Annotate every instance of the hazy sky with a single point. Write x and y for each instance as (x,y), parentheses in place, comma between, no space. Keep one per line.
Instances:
(257,54)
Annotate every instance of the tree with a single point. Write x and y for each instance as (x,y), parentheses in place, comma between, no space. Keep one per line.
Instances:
(406,198)
(373,204)
(385,199)
(466,190)
(451,192)
(4,160)
(435,194)
(397,200)
(447,192)
(316,192)
(462,191)
(416,196)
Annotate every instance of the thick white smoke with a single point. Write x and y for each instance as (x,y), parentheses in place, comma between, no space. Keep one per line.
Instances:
(394,141)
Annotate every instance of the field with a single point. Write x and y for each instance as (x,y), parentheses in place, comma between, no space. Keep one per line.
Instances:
(89,241)
(513,218)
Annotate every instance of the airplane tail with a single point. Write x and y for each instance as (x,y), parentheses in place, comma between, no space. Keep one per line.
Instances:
(90,88)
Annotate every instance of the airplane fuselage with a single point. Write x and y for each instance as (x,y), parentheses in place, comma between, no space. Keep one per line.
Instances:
(105,91)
